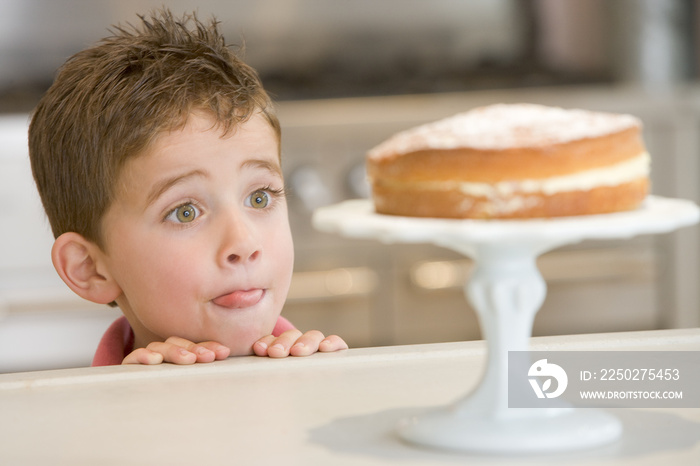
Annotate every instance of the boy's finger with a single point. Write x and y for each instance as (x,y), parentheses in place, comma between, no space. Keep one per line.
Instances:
(143,356)
(307,343)
(173,353)
(281,345)
(220,351)
(181,342)
(260,347)
(332,343)
(202,352)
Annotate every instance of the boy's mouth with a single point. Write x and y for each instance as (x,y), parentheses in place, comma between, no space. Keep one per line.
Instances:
(240,299)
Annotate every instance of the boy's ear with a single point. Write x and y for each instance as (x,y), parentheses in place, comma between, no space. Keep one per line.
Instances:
(77,261)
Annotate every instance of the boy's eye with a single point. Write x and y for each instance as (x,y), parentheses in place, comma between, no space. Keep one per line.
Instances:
(259,199)
(184,214)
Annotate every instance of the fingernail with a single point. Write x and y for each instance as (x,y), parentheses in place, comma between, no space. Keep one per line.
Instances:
(184,352)
(262,345)
(278,346)
(202,350)
(298,345)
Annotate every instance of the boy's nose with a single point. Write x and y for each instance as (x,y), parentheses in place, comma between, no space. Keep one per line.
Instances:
(241,242)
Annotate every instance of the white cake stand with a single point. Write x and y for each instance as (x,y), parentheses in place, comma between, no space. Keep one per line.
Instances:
(506,289)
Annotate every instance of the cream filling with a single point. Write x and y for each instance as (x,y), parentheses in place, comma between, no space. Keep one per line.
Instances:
(623,172)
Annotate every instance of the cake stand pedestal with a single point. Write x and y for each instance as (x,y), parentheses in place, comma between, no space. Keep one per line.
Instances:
(506,289)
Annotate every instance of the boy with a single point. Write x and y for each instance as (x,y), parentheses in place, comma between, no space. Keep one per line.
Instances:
(156,154)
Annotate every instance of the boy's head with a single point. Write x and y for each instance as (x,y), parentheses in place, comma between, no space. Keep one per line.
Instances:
(156,155)
(110,101)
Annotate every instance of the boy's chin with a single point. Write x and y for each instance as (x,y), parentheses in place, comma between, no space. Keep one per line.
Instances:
(243,344)
(242,351)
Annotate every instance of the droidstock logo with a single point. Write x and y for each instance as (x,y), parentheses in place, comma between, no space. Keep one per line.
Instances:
(546,371)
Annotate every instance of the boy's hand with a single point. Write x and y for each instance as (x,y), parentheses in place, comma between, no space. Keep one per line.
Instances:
(294,343)
(177,351)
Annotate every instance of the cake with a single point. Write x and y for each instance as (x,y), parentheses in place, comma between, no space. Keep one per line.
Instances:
(509,161)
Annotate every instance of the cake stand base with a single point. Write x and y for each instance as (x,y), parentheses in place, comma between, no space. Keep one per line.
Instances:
(536,430)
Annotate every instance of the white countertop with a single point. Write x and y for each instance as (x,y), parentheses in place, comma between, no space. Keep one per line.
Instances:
(339,408)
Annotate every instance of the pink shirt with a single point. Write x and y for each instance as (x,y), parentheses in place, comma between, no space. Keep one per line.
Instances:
(118,341)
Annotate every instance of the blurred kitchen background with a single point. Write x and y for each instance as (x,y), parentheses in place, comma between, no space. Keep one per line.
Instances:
(346,75)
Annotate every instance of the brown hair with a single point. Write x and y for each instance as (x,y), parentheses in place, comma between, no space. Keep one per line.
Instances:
(109,101)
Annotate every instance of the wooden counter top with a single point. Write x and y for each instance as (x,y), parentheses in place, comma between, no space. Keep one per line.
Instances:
(339,408)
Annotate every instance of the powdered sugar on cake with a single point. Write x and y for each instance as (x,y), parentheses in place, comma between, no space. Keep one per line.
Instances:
(506,126)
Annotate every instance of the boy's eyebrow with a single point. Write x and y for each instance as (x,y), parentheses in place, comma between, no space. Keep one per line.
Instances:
(264,164)
(160,187)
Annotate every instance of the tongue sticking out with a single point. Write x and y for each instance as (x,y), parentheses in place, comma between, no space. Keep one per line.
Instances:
(239,299)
